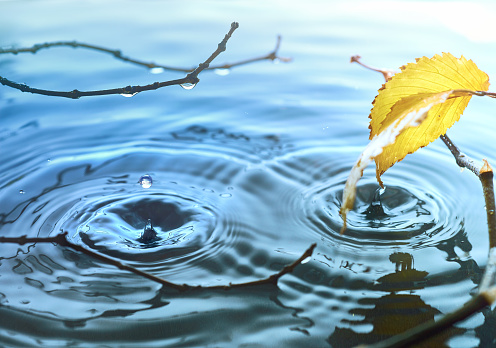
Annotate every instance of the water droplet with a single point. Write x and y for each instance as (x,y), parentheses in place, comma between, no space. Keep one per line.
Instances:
(222,72)
(149,233)
(129,95)
(22,192)
(145,181)
(225,195)
(188,85)
(157,70)
(305,260)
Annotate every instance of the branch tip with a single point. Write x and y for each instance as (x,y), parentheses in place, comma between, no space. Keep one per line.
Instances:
(486,167)
(355,59)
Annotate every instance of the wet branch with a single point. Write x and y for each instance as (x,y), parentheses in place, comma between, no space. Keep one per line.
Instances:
(485,175)
(273,55)
(61,240)
(191,78)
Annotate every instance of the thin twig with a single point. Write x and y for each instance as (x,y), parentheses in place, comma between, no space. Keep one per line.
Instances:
(61,240)
(273,55)
(191,78)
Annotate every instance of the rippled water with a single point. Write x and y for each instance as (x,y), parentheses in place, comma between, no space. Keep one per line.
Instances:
(246,171)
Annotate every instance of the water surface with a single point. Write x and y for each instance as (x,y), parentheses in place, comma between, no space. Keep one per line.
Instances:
(248,170)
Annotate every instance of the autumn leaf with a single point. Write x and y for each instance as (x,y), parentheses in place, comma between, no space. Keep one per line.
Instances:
(434,75)
(411,112)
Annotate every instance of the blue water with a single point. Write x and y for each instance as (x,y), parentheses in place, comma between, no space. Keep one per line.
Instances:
(248,171)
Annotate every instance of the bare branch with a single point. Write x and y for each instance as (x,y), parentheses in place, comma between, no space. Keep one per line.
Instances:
(273,55)
(191,78)
(75,44)
(61,240)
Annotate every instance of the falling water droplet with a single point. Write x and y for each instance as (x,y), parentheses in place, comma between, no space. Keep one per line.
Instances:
(149,233)
(157,70)
(188,85)
(22,192)
(129,95)
(222,72)
(145,181)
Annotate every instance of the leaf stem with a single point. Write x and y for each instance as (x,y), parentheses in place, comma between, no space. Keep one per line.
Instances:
(385,72)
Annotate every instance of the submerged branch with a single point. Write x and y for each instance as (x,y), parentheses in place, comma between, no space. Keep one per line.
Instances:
(273,279)
(191,78)
(61,240)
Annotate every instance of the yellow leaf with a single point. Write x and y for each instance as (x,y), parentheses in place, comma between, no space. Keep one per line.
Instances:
(411,113)
(434,75)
